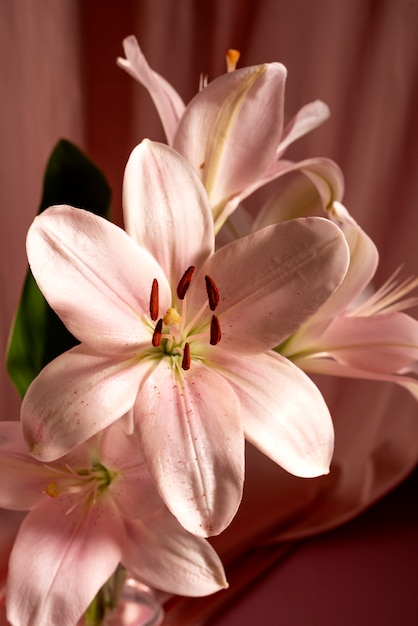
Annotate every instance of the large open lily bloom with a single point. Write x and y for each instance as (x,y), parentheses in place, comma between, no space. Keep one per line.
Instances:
(88,511)
(360,332)
(182,335)
(232,131)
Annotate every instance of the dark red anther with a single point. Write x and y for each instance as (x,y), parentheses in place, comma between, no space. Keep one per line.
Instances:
(215,331)
(154,301)
(213,292)
(185,281)
(157,335)
(186,357)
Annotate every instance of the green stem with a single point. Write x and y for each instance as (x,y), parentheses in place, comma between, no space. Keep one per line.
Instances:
(106,600)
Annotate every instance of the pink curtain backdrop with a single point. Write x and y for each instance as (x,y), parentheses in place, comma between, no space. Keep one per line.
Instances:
(59,79)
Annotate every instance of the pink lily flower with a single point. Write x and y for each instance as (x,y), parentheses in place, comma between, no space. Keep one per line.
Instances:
(88,511)
(182,335)
(232,131)
(359,332)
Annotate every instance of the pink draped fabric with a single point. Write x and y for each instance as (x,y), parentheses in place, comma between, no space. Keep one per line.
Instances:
(41,100)
(59,79)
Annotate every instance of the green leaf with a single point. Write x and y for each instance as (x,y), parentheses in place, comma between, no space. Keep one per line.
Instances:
(38,335)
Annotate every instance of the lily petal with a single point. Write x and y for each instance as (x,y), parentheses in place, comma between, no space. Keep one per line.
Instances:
(324,173)
(306,119)
(94,276)
(311,187)
(283,412)
(167,101)
(53,543)
(363,262)
(133,490)
(165,556)
(211,137)
(75,396)
(195,454)
(20,485)
(271,281)
(327,177)
(330,367)
(386,343)
(364,259)
(166,208)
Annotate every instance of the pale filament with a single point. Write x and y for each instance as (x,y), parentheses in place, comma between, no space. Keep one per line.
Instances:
(85,482)
(195,318)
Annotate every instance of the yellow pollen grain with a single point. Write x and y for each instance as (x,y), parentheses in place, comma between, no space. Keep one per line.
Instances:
(232,58)
(171,317)
(52,490)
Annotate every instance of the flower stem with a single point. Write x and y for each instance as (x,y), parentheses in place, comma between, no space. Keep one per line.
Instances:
(106,599)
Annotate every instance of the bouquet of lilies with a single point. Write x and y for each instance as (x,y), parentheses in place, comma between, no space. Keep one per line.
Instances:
(190,331)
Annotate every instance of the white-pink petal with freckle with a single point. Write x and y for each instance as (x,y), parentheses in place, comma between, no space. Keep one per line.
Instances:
(269,280)
(74,397)
(283,412)
(193,442)
(155,212)
(95,277)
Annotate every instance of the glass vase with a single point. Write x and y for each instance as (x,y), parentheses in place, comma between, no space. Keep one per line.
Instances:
(138,606)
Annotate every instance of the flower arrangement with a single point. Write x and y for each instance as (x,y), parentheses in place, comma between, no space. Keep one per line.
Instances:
(189,331)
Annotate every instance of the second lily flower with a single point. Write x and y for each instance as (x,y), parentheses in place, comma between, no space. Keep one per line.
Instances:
(232,131)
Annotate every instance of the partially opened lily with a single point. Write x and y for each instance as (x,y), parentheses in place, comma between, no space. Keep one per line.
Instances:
(359,332)
(233,131)
(89,511)
(182,335)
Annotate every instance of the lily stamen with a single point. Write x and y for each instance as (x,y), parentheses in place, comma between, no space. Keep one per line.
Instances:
(184,282)
(186,361)
(213,292)
(52,490)
(154,301)
(172,327)
(215,331)
(157,334)
(232,57)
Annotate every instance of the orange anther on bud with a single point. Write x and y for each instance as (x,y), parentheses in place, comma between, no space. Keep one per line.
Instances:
(186,357)
(213,293)
(185,281)
(154,301)
(215,331)
(52,490)
(156,337)
(232,58)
